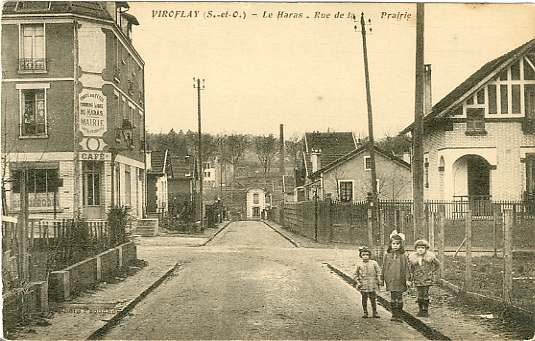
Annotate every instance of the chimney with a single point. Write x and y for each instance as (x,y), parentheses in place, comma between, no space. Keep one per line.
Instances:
(316,160)
(428,102)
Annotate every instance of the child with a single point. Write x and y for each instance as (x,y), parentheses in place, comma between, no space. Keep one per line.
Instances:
(395,273)
(368,277)
(423,267)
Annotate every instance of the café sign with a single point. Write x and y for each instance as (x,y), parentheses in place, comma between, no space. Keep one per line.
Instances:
(93,113)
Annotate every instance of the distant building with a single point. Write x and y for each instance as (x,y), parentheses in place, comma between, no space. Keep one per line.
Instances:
(158,175)
(479,140)
(320,149)
(256,203)
(74,108)
(348,178)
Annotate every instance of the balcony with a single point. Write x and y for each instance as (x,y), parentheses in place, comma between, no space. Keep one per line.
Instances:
(32,65)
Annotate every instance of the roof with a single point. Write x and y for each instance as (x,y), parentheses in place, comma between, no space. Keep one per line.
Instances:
(182,169)
(91,8)
(160,163)
(485,73)
(360,150)
(332,145)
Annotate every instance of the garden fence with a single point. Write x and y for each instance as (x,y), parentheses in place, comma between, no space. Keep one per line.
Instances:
(485,246)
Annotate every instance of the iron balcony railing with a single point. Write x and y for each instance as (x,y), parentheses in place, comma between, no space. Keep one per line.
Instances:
(32,64)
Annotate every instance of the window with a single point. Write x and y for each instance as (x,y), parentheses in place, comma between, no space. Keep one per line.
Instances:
(91,186)
(41,185)
(346,191)
(256,198)
(493,106)
(530,176)
(426,172)
(128,185)
(33,118)
(367,163)
(32,49)
(475,119)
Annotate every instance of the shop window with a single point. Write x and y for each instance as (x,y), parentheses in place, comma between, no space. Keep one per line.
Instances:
(41,185)
(346,191)
(33,118)
(91,182)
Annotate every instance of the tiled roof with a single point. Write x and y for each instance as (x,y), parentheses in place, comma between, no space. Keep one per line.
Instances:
(160,163)
(181,167)
(465,88)
(91,8)
(332,145)
(360,150)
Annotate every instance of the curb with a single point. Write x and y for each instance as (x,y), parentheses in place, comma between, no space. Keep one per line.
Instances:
(283,235)
(99,333)
(424,329)
(215,234)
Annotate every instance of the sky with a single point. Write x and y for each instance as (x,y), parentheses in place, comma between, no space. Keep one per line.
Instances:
(305,69)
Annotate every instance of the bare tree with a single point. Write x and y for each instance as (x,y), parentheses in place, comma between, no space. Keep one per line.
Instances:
(266,148)
(293,146)
(234,151)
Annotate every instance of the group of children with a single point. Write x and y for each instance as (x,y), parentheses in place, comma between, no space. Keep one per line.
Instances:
(398,273)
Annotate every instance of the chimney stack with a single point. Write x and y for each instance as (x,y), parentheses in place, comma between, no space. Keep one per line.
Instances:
(315,159)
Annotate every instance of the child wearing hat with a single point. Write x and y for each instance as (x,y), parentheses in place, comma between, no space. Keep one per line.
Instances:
(396,273)
(423,267)
(368,277)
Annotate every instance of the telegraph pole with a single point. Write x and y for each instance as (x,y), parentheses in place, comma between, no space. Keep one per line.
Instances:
(371,145)
(418,130)
(197,85)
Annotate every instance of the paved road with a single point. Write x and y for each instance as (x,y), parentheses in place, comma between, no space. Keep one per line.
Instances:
(251,283)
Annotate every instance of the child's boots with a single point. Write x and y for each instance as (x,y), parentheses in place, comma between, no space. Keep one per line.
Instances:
(423,308)
(365,308)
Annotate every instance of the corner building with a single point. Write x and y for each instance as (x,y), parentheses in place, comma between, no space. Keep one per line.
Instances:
(73,111)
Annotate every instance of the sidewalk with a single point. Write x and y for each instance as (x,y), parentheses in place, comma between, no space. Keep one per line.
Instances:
(446,318)
(86,314)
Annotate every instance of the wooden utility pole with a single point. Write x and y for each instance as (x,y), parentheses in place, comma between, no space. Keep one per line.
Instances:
(371,144)
(281,151)
(197,85)
(418,130)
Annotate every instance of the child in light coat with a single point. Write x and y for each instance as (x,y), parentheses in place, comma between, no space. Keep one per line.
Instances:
(423,267)
(368,277)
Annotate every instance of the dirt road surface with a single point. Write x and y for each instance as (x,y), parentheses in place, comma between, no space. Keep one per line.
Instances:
(251,283)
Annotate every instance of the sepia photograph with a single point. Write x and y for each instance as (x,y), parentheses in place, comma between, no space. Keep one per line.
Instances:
(180,170)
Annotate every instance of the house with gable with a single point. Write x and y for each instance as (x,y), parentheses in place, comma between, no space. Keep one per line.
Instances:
(479,140)
(157,181)
(319,148)
(348,178)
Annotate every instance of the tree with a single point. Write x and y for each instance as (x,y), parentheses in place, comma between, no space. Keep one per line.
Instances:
(293,146)
(234,151)
(265,149)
